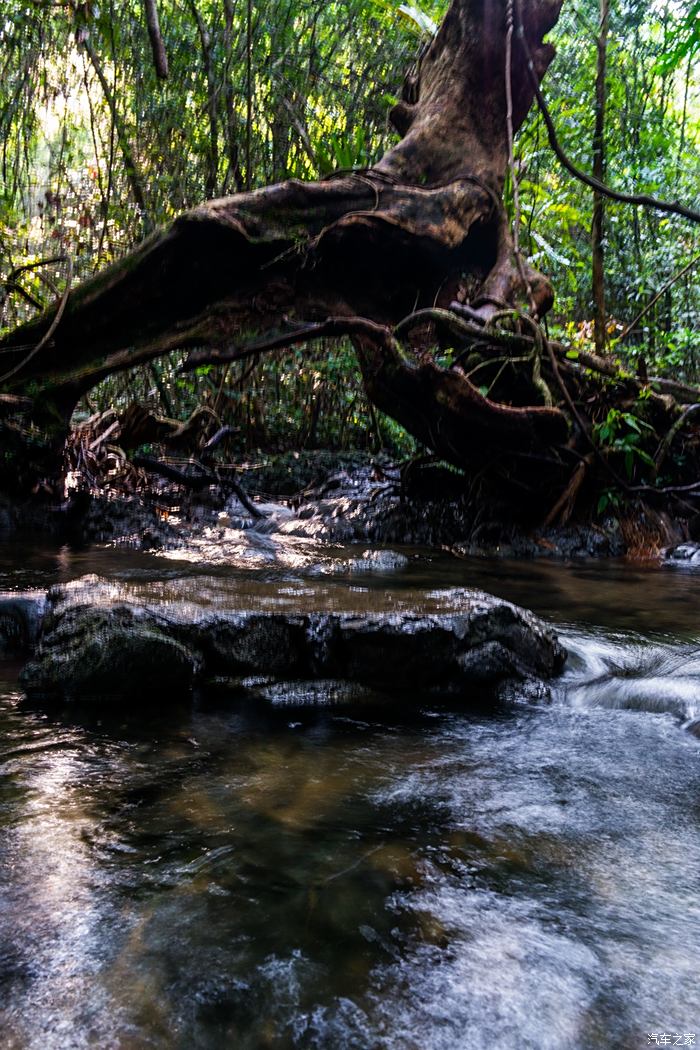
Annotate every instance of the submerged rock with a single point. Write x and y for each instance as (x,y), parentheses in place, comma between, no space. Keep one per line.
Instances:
(100,640)
(316,692)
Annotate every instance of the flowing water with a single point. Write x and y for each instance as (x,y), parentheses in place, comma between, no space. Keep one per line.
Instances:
(244,875)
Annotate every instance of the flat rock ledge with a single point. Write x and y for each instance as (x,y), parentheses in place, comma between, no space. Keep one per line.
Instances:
(92,639)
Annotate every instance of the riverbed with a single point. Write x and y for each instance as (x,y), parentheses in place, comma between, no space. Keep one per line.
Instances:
(237,873)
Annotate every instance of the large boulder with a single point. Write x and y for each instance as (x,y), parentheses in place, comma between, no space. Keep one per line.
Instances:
(101,640)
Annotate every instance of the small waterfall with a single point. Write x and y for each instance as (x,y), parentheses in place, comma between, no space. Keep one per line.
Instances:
(625,671)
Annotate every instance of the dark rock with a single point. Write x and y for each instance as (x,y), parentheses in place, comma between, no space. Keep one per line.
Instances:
(334,498)
(91,647)
(20,621)
(98,641)
(321,692)
(567,543)
(269,644)
(492,641)
(427,506)
(128,522)
(287,473)
(693,727)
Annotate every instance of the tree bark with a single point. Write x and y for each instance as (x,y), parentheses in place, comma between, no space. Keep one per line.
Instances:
(160,56)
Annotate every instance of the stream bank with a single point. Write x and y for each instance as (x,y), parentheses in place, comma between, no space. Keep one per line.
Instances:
(93,637)
(345,498)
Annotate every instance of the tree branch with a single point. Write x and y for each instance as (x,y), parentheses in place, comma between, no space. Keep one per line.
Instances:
(332,327)
(49,333)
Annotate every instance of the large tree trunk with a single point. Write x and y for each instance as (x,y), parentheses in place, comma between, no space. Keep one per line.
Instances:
(423,233)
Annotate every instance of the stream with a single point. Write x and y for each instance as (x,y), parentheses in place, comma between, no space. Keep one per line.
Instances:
(276,875)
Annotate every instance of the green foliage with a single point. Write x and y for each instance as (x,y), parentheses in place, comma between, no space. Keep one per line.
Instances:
(653,142)
(418,18)
(609,499)
(623,433)
(684,41)
(342,152)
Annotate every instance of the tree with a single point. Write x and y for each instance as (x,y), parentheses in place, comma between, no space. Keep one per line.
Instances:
(408,255)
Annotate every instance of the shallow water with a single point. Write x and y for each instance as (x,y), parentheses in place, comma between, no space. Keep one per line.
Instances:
(238,874)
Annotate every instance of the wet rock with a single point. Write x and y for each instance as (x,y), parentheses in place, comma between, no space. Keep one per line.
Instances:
(568,543)
(381,561)
(20,621)
(269,644)
(91,647)
(320,692)
(528,691)
(128,522)
(687,554)
(373,502)
(98,640)
(490,642)
(693,727)
(330,498)
(289,472)
(236,516)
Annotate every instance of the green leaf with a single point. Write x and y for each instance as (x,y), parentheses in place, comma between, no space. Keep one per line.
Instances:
(419,18)
(547,247)
(645,457)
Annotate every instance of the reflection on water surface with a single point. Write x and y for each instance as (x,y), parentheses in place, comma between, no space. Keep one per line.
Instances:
(248,876)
